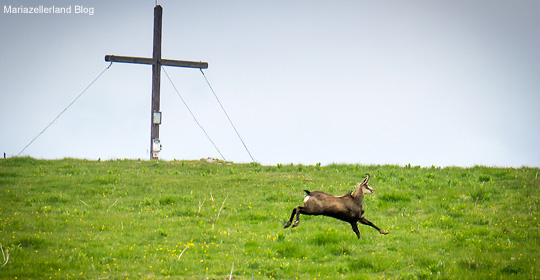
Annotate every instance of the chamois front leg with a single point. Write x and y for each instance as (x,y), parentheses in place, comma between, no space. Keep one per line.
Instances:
(355,229)
(368,223)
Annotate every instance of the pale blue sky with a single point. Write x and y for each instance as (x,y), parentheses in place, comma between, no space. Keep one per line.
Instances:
(369,82)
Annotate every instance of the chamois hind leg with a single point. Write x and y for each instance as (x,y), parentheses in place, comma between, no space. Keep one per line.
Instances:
(355,229)
(288,224)
(368,223)
(298,212)
(295,211)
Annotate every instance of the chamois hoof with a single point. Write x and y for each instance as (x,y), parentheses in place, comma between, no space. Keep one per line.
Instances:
(384,232)
(295,224)
(288,224)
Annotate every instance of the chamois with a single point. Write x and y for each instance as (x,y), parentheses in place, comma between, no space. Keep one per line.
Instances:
(347,208)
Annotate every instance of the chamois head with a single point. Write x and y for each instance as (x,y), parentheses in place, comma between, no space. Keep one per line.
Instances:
(366,189)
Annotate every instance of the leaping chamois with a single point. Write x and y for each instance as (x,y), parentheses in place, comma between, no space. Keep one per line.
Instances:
(347,208)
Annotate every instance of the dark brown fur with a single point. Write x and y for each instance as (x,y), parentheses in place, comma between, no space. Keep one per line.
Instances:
(347,208)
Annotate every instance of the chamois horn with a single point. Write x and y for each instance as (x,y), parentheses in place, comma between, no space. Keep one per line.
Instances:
(367,178)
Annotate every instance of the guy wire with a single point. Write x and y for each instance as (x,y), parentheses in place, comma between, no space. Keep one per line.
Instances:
(65,109)
(192,115)
(230,121)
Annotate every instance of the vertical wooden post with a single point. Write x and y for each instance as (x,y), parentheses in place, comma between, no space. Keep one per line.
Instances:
(156,77)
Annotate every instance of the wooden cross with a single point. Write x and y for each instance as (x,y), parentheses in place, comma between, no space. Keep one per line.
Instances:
(156,61)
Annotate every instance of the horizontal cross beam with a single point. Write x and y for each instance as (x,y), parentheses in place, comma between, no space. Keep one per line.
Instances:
(166,62)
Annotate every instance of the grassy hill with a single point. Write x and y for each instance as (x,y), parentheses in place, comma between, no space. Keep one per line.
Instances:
(79,219)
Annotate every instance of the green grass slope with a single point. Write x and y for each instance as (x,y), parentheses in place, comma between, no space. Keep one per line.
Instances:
(130,219)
